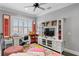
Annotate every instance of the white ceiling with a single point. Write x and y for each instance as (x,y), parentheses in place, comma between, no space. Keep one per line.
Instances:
(38,12)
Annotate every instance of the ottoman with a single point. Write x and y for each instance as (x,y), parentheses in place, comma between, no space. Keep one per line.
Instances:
(13,49)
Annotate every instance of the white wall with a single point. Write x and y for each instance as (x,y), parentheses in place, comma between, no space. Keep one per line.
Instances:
(71,28)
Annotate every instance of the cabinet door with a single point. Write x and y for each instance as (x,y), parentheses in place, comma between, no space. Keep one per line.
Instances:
(44,41)
(53,45)
(39,41)
(49,43)
(58,46)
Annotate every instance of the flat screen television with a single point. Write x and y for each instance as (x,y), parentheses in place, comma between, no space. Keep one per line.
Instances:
(49,32)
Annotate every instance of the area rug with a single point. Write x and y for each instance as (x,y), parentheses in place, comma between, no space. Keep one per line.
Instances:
(36,50)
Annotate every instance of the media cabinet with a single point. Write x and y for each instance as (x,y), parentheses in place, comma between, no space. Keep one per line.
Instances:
(55,41)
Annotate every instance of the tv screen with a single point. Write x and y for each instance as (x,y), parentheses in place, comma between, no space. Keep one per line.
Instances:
(46,31)
(49,32)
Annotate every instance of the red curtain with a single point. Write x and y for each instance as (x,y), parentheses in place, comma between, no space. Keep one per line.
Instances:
(33,37)
(6,26)
(34,26)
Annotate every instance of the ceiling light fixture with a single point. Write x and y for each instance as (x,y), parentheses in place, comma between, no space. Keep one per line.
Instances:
(36,5)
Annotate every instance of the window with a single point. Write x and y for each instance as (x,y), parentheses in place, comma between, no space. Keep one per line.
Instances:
(15,27)
(29,25)
(25,31)
(21,26)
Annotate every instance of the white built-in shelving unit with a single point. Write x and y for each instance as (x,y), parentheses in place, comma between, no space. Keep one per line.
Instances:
(55,42)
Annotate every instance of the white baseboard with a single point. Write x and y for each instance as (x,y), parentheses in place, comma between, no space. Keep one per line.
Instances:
(71,51)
